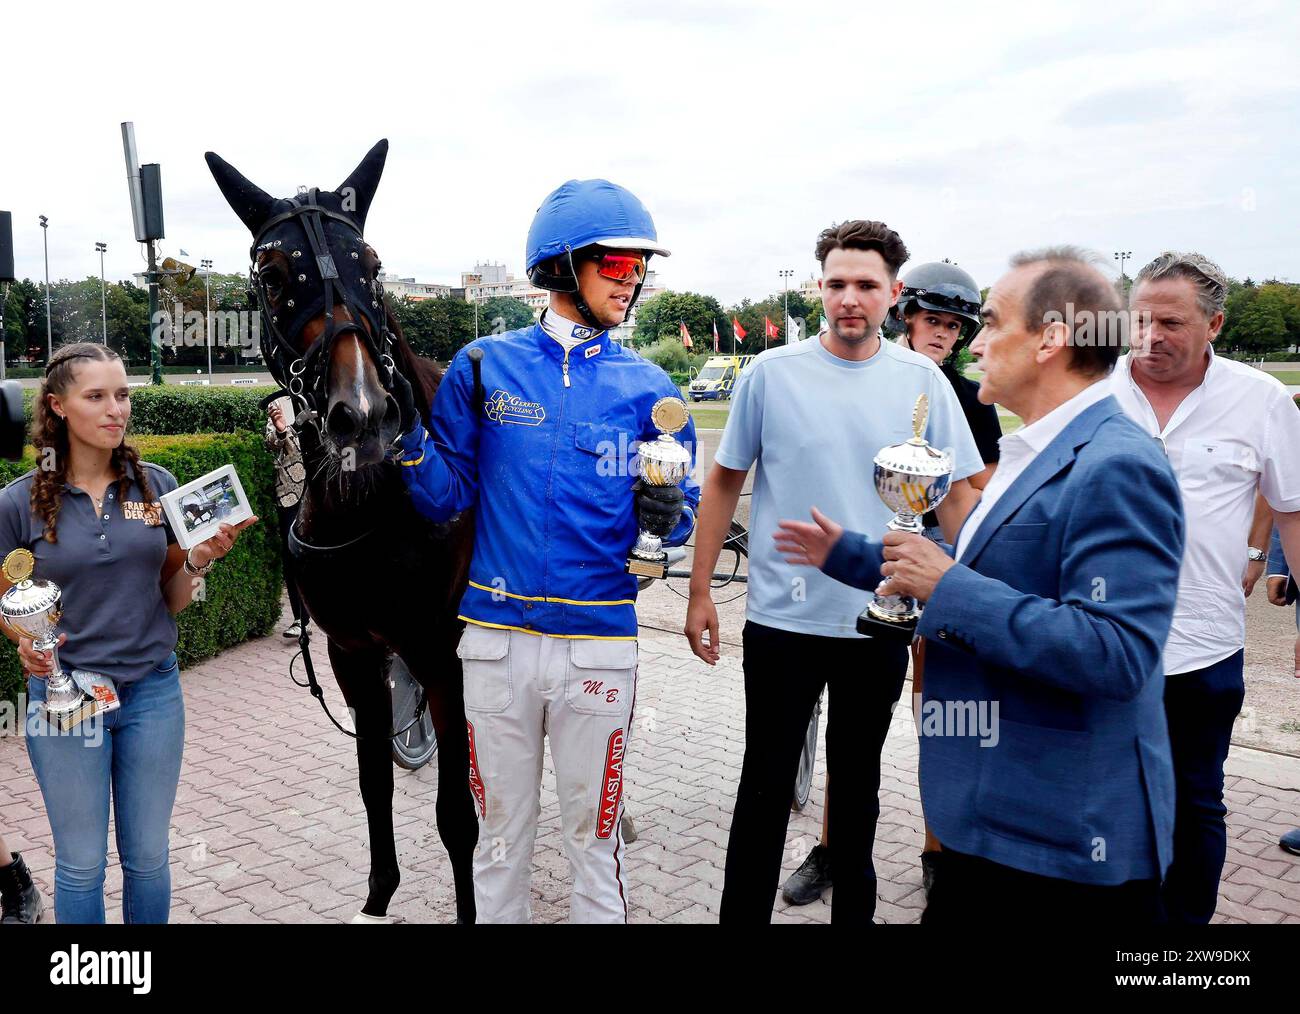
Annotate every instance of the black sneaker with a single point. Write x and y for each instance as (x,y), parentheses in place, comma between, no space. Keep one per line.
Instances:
(930,863)
(811,880)
(20,901)
(1291,842)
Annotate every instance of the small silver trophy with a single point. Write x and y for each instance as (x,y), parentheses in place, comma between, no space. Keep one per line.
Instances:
(33,609)
(661,462)
(912,478)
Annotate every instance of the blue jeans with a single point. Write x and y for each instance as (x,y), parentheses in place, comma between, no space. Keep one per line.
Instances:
(134,755)
(1201,706)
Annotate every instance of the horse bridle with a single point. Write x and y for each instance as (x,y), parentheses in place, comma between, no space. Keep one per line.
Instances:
(303,376)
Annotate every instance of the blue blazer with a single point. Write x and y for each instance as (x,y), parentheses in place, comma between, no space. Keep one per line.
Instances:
(1054,624)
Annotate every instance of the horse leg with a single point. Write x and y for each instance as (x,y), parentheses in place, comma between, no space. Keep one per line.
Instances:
(360,675)
(440,674)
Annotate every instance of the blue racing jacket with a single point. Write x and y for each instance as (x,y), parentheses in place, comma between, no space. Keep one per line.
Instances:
(547,462)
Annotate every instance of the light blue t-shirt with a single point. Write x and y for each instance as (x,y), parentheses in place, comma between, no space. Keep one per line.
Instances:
(814,422)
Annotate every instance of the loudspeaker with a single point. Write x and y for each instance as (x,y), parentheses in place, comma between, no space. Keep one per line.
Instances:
(6,247)
(151,192)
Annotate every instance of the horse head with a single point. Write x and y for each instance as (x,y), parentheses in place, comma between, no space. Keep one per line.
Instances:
(325,326)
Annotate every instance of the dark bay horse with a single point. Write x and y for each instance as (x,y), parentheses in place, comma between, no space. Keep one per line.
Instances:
(374,575)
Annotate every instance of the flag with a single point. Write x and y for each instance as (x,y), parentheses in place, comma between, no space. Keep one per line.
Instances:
(770,329)
(715,336)
(686,336)
(737,331)
(792,327)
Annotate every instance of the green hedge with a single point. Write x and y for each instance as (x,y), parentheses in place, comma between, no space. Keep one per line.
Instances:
(175,409)
(243,591)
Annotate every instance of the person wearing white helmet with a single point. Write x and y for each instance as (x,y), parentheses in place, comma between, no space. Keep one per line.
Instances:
(534,429)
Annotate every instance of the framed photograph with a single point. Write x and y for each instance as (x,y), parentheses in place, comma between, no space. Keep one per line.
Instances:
(197,510)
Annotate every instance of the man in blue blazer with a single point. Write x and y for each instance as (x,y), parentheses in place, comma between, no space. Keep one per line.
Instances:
(1045,766)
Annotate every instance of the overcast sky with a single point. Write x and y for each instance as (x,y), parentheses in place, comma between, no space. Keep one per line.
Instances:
(973,129)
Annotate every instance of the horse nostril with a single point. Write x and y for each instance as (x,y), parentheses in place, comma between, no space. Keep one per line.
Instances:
(343,421)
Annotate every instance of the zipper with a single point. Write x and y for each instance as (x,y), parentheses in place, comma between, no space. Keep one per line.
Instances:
(550,485)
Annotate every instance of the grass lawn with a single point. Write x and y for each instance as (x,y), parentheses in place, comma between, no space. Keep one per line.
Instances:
(1288,377)
(1010,423)
(708,415)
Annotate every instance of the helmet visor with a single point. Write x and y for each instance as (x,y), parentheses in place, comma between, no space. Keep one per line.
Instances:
(948,302)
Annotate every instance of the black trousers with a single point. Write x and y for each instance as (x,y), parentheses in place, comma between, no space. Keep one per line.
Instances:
(1200,706)
(287,515)
(971,891)
(784,674)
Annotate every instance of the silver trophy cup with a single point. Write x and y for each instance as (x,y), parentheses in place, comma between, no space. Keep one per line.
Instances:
(912,478)
(661,462)
(33,609)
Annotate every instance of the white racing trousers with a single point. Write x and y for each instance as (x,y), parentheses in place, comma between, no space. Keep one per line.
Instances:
(520,687)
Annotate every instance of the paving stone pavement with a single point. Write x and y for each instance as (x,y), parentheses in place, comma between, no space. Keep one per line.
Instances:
(269,826)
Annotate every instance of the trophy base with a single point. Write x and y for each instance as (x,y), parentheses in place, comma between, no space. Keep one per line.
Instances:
(95,694)
(657,569)
(66,721)
(873,624)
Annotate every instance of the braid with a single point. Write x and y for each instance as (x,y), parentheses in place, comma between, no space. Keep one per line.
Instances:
(50,437)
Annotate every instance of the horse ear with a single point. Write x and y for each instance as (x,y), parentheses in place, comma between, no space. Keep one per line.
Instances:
(250,202)
(358,190)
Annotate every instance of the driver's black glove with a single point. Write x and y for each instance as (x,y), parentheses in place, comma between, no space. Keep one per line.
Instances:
(658,508)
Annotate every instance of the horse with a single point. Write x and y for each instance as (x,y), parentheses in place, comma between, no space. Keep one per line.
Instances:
(374,575)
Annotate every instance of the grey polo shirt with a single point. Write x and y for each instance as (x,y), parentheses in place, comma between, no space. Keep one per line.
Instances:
(109,567)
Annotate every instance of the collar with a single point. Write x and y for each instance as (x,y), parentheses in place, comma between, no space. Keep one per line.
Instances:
(1124,372)
(826,355)
(560,336)
(1038,434)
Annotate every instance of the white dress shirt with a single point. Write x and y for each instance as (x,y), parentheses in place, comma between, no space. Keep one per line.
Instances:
(1020,448)
(1236,433)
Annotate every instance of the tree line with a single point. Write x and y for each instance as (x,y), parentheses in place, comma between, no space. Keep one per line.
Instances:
(1261,319)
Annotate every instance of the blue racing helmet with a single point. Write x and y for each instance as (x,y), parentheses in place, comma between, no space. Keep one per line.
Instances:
(581,214)
(589,213)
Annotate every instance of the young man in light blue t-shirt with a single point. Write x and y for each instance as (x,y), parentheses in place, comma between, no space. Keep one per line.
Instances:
(812,416)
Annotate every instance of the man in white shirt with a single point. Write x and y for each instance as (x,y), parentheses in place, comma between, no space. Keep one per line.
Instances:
(1229,430)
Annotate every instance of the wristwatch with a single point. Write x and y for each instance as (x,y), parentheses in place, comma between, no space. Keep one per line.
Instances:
(1255,555)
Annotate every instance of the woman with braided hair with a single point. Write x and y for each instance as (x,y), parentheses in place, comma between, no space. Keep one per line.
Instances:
(90,513)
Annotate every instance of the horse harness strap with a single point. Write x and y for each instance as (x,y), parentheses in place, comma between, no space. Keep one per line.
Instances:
(304,649)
